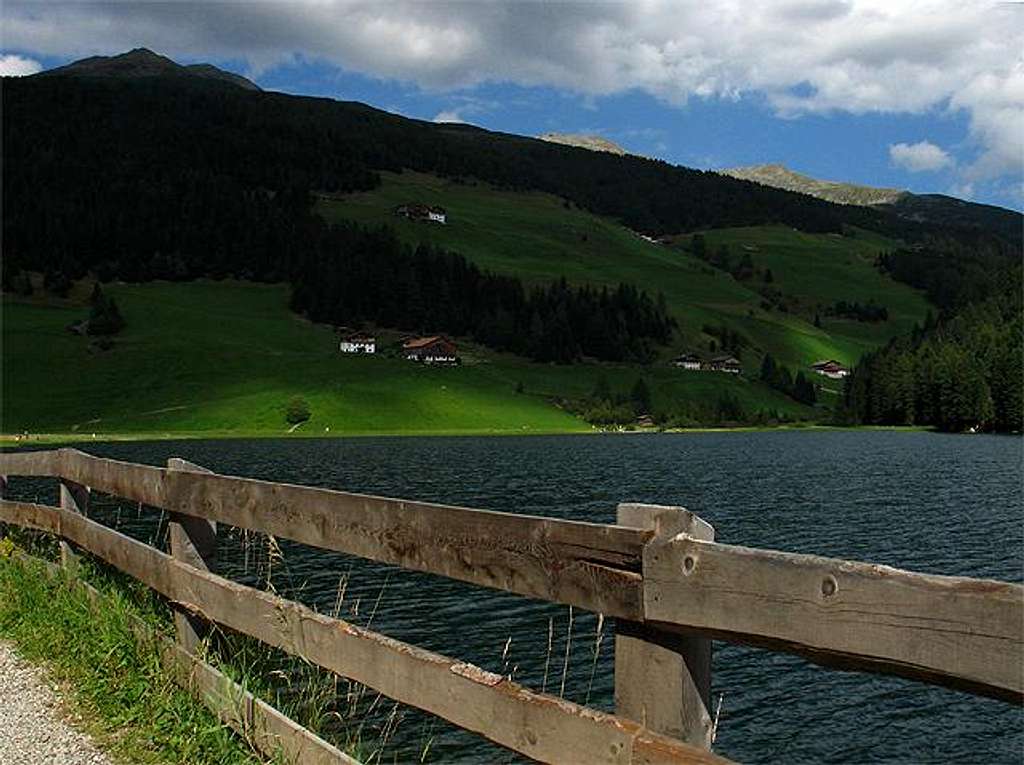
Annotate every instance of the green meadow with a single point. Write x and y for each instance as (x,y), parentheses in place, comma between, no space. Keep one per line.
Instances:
(540,237)
(224,358)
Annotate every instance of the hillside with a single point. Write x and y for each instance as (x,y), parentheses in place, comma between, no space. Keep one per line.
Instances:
(930,209)
(169,374)
(137,171)
(538,237)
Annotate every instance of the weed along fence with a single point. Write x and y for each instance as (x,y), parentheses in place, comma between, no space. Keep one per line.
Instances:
(658,571)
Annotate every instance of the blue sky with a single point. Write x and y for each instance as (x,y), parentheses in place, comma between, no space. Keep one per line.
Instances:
(927,97)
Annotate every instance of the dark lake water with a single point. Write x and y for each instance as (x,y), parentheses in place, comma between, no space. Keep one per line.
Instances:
(922,501)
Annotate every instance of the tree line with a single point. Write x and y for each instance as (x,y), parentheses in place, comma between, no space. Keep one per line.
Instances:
(952,273)
(954,374)
(777,376)
(362,275)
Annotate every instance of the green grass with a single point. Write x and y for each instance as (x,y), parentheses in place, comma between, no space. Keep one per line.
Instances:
(225,358)
(119,686)
(538,237)
(822,270)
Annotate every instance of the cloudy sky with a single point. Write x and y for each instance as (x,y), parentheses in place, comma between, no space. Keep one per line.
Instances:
(921,95)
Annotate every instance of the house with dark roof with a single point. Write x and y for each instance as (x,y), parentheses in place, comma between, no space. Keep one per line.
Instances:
(436,349)
(830,368)
(724,363)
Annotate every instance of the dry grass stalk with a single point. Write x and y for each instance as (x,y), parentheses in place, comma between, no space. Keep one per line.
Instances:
(568,650)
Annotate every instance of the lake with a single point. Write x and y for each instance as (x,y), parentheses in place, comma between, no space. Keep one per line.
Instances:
(922,501)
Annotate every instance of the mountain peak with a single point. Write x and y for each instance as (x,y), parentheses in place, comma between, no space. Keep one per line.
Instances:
(591,142)
(782,177)
(142,62)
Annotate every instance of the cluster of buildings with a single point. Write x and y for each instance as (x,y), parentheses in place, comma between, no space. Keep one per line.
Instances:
(418,211)
(694,362)
(433,349)
(439,349)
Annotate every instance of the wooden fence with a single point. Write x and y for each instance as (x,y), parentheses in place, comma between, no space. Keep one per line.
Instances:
(658,570)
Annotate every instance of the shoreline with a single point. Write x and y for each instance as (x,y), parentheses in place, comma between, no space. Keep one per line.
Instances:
(8,440)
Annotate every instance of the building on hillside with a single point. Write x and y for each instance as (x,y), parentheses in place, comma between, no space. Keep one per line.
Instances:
(724,363)
(417,211)
(830,368)
(436,349)
(358,342)
(688,361)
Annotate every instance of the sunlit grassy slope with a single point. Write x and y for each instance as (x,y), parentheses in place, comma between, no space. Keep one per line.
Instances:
(540,237)
(225,358)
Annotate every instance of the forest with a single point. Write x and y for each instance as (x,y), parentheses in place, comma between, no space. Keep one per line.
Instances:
(360,275)
(183,177)
(962,371)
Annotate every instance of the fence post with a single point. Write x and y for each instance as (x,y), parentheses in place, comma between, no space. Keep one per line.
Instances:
(74,497)
(662,679)
(194,542)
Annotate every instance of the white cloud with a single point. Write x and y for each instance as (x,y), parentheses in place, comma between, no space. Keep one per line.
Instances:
(802,56)
(919,157)
(448,115)
(17,66)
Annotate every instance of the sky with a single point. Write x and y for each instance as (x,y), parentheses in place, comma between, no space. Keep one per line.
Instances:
(926,96)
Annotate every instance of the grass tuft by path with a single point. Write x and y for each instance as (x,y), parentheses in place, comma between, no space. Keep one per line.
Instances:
(120,688)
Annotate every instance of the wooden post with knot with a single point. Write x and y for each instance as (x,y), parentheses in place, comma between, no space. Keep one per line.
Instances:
(663,679)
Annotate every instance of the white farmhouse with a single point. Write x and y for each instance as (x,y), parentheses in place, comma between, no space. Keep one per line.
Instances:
(688,361)
(358,343)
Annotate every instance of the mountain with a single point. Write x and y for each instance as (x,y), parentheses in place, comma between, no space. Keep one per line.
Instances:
(134,169)
(939,208)
(144,63)
(936,209)
(781,177)
(591,142)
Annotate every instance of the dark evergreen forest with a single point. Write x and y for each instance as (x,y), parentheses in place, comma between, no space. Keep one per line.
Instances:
(962,371)
(359,276)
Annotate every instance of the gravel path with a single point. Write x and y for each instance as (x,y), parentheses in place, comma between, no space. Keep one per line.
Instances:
(33,729)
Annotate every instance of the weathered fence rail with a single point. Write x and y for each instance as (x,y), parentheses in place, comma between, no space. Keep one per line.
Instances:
(658,570)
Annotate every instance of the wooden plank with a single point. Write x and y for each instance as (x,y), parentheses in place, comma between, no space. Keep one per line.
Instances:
(30,515)
(193,541)
(952,631)
(142,483)
(536,725)
(663,679)
(261,725)
(35,463)
(592,566)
